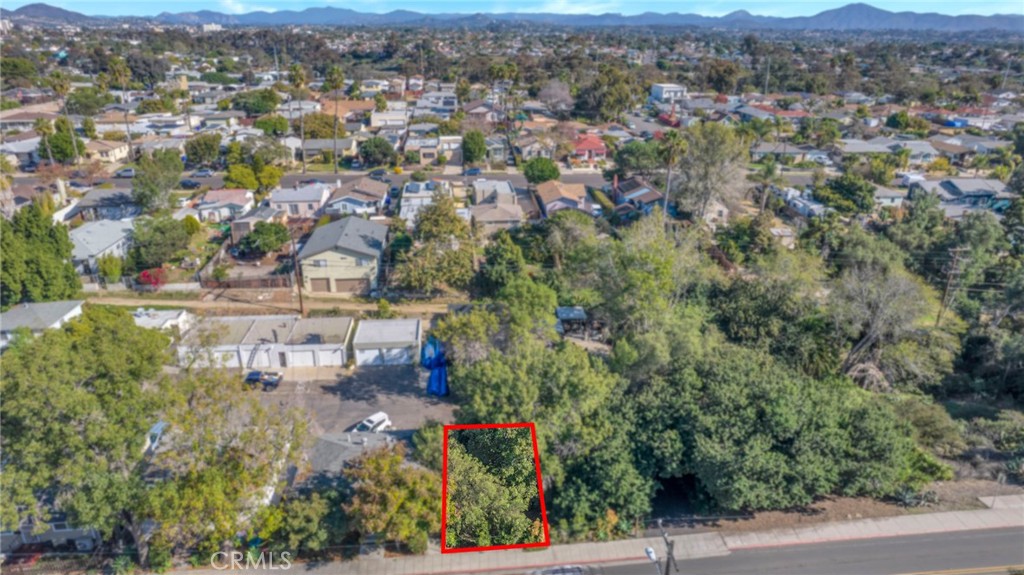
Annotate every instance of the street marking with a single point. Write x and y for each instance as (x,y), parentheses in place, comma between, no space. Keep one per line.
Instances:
(997,570)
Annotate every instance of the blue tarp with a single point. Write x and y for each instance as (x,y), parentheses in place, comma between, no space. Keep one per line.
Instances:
(432,357)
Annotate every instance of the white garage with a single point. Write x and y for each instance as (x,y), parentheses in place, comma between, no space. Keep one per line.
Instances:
(387,342)
(262,342)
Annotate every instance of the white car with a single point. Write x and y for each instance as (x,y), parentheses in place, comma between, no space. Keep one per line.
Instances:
(374,424)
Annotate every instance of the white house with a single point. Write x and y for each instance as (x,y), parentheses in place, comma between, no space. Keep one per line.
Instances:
(387,342)
(272,341)
(37,317)
(667,93)
(93,240)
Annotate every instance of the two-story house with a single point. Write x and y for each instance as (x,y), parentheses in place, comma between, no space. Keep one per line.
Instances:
(343,257)
(301,202)
(225,204)
(93,240)
(362,196)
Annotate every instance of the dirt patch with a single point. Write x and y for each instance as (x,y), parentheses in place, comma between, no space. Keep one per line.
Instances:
(952,495)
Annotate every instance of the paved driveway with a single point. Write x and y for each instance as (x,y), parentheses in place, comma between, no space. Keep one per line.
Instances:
(335,400)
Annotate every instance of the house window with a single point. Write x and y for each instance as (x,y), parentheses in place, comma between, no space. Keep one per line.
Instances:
(293,209)
(310,207)
(320,263)
(363,262)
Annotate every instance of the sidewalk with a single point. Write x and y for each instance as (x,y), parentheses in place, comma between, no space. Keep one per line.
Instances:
(699,545)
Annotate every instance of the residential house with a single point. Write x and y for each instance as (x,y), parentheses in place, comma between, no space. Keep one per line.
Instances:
(224,204)
(23,121)
(343,257)
(346,147)
(240,227)
(93,240)
(802,202)
(23,147)
(634,196)
(389,119)
(223,120)
(417,195)
(482,112)
(427,148)
(891,197)
(36,317)
(778,150)
(589,148)
(364,196)
(440,103)
(106,204)
(531,147)
(495,206)
(107,151)
(921,151)
(667,93)
(556,195)
(959,196)
(268,341)
(301,202)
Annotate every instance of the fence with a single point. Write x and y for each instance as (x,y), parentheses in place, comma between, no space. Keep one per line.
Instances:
(278,281)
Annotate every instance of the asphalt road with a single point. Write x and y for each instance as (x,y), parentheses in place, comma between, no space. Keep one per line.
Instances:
(291,179)
(964,553)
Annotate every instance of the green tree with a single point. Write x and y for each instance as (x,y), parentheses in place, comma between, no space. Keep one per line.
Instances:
(504,261)
(710,167)
(89,128)
(61,143)
(203,149)
(377,152)
(265,238)
(36,264)
(256,102)
(155,241)
(156,174)
(394,500)
(611,93)
(309,524)
(110,267)
(334,79)
(380,103)
(317,126)
(60,83)
(540,170)
(273,125)
(848,194)
(192,225)
(121,76)
(474,147)
(638,157)
(241,176)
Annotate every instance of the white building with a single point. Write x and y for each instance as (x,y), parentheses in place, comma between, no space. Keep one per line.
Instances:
(667,93)
(273,341)
(387,342)
(36,317)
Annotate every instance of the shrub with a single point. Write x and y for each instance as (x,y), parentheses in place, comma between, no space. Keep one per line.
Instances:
(155,278)
(419,176)
(192,225)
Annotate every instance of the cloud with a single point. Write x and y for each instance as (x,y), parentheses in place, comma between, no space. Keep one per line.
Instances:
(237,7)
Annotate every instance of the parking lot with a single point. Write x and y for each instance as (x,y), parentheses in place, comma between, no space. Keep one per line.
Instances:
(336,399)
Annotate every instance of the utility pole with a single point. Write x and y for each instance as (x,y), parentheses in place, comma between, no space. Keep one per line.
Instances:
(298,275)
(334,156)
(670,545)
(767,74)
(953,273)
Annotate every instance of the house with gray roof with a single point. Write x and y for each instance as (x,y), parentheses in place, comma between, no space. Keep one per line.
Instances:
(36,317)
(959,196)
(301,202)
(93,240)
(106,204)
(343,257)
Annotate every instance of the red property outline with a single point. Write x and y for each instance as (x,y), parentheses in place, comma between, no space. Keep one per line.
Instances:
(540,488)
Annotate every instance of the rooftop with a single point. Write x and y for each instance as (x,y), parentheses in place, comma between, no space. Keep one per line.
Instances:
(374,333)
(37,316)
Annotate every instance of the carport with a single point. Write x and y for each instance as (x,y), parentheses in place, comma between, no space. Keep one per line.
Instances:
(387,342)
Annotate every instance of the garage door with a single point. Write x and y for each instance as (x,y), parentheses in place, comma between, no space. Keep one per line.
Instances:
(332,357)
(352,286)
(320,285)
(369,357)
(397,356)
(303,358)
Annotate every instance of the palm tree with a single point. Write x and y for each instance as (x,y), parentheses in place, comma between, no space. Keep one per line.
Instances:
(60,83)
(766,177)
(121,75)
(297,78)
(673,146)
(44,128)
(334,79)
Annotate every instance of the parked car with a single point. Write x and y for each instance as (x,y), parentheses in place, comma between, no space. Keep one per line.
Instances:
(568,570)
(310,182)
(356,164)
(472,172)
(203,173)
(190,185)
(29,168)
(378,173)
(79,185)
(125,173)
(252,379)
(271,379)
(374,424)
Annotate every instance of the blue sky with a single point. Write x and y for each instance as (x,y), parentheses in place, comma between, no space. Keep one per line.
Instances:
(708,8)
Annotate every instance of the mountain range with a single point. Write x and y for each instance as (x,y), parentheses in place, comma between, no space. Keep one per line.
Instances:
(847,18)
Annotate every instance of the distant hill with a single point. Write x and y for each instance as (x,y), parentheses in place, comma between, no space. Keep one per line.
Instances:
(850,17)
